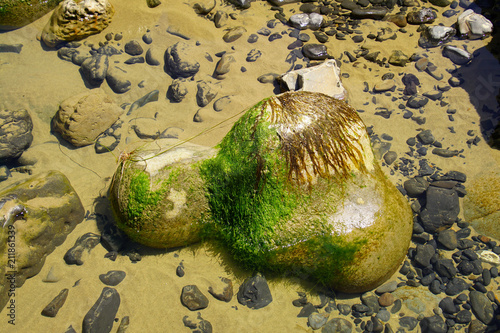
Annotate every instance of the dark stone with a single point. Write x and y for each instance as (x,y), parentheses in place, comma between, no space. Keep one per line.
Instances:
(179,271)
(252,38)
(481,307)
(411,83)
(255,293)
(436,35)
(416,102)
(408,322)
(448,306)
(463,317)
(152,96)
(253,55)
(315,51)
(179,62)
(94,69)
(441,210)
(445,268)
(337,325)
(112,278)
(151,58)
(53,307)
(274,36)
(146,38)
(344,309)
(306,310)
(86,242)
(457,55)
(66,53)
(11,48)
(423,15)
(177,91)
(415,186)
(444,152)
(434,324)
(101,316)
(133,48)
(205,94)
(134,60)
(117,80)
(369,13)
(424,254)
(16,136)
(193,299)
(456,286)
(426,137)
(448,238)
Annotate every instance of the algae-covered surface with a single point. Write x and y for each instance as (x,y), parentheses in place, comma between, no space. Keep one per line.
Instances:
(37,80)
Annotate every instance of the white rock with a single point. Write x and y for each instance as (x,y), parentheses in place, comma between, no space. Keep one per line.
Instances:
(474,25)
(489,257)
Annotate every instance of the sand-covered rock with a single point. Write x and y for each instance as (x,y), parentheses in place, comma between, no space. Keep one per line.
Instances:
(15,133)
(482,203)
(159,199)
(77,19)
(16,14)
(83,117)
(37,215)
(295,188)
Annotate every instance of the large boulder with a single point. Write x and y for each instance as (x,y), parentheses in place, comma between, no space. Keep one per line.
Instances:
(482,203)
(83,117)
(15,133)
(180,61)
(295,188)
(77,19)
(37,215)
(16,14)
(157,195)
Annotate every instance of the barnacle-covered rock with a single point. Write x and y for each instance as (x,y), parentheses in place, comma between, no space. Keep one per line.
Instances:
(77,19)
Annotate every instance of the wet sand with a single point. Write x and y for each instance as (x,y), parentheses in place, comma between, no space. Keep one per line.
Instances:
(37,80)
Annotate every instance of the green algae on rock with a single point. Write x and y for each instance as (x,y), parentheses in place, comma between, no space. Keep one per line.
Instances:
(15,14)
(295,189)
(159,199)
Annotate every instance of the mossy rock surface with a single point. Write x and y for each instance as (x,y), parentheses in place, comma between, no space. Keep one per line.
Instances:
(18,13)
(158,196)
(295,189)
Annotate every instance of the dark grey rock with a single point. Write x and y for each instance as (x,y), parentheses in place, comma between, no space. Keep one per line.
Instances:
(220,19)
(456,286)
(252,38)
(408,322)
(444,152)
(371,301)
(337,325)
(423,15)
(16,136)
(424,254)
(416,186)
(222,103)
(117,81)
(53,307)
(369,13)
(463,317)
(445,268)
(134,60)
(200,326)
(112,278)
(317,320)
(448,238)
(179,61)
(457,55)
(448,306)
(108,50)
(254,292)
(86,242)
(206,93)
(179,271)
(152,96)
(253,55)
(94,69)
(344,309)
(426,137)
(153,57)
(390,157)
(315,51)
(11,48)
(223,66)
(193,299)
(436,35)
(307,310)
(101,316)
(146,38)
(267,78)
(66,53)
(133,48)
(481,307)
(234,34)
(433,94)
(416,102)
(177,90)
(441,210)
(411,83)
(434,324)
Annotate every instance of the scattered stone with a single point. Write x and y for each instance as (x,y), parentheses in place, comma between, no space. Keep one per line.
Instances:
(448,238)
(112,278)
(153,56)
(202,326)
(441,210)
(444,152)
(416,102)
(82,118)
(134,60)
(388,287)
(390,157)
(177,90)
(267,78)
(424,254)
(223,66)
(426,137)
(315,51)
(386,300)
(233,34)
(481,307)
(423,15)
(152,96)
(457,55)
(436,35)
(369,13)
(254,292)
(16,134)
(193,299)
(411,83)
(306,21)
(94,69)
(222,103)
(206,93)
(474,26)
(153,3)
(86,242)
(53,307)
(253,55)
(133,48)
(415,186)
(178,61)
(101,316)
(398,58)
(456,286)
(223,291)
(337,325)
(384,85)
(434,324)
(117,81)
(317,320)
(203,7)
